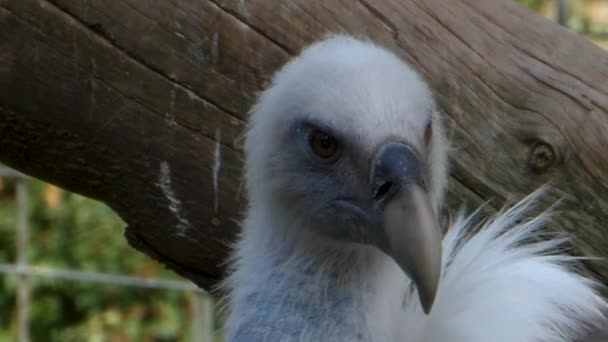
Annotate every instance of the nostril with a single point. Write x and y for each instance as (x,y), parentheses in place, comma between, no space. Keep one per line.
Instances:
(383,190)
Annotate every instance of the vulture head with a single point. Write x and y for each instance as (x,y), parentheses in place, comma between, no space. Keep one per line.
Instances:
(347,145)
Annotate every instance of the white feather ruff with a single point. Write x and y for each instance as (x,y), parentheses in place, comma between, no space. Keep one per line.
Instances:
(499,286)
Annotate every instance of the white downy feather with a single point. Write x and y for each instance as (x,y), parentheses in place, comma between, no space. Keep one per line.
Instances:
(501,285)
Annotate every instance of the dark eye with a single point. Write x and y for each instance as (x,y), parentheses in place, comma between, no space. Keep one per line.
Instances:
(322,144)
(428,133)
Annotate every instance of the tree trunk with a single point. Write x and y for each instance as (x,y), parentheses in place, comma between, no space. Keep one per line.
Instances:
(140,104)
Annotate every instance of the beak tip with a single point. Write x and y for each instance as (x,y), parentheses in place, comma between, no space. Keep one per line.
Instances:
(427,309)
(429,286)
(427,303)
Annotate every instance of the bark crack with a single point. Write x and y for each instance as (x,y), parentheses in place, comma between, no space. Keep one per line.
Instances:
(189,40)
(255,29)
(531,55)
(383,18)
(101,36)
(475,192)
(110,86)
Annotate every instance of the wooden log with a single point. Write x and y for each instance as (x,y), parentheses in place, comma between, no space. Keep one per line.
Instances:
(140,104)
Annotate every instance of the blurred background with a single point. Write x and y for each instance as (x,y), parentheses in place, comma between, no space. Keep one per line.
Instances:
(68,274)
(586,17)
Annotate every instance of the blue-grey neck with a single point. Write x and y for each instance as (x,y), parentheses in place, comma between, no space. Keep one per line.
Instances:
(299,288)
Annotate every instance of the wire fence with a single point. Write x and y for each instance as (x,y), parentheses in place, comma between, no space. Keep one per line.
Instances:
(203,313)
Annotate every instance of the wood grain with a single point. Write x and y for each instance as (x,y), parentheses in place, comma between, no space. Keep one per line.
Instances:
(140,104)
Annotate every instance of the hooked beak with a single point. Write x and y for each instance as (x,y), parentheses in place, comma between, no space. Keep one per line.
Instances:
(410,233)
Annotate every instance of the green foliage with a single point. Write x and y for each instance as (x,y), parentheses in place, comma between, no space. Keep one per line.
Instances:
(533,4)
(586,17)
(72,232)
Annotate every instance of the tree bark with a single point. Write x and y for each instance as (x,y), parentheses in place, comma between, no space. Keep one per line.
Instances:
(140,104)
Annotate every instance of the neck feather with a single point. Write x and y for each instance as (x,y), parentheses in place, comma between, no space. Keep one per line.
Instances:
(289,284)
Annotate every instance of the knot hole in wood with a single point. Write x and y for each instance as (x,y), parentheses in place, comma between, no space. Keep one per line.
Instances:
(541,157)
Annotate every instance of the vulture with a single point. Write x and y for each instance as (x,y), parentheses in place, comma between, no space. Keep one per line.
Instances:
(346,168)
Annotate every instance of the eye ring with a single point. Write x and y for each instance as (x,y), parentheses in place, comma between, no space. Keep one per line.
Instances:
(322,144)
